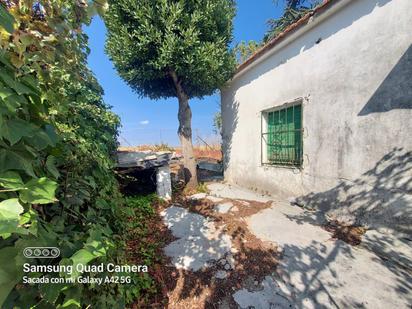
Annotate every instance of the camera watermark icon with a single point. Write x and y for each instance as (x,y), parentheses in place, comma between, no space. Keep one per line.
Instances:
(41,252)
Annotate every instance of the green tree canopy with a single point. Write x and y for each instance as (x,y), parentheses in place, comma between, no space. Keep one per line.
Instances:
(149,40)
(57,146)
(173,48)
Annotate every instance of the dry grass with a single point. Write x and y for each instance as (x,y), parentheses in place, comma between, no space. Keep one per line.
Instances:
(212,152)
(206,152)
(156,147)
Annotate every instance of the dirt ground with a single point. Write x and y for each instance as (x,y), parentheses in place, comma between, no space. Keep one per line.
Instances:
(279,257)
(178,288)
(253,261)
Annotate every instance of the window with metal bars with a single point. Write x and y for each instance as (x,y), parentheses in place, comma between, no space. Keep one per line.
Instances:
(282,140)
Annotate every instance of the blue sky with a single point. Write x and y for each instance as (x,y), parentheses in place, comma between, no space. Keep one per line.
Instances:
(146,121)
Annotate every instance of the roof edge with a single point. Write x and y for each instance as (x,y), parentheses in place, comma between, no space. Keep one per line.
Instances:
(290,30)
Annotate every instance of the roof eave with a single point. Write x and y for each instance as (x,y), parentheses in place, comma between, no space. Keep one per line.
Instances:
(322,12)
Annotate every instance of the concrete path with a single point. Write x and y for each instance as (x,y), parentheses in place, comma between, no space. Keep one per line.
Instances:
(315,271)
(235,192)
(319,272)
(199,242)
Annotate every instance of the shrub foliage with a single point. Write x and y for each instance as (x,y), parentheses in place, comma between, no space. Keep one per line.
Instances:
(57,141)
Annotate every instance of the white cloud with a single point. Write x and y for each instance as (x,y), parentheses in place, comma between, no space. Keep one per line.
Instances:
(144,122)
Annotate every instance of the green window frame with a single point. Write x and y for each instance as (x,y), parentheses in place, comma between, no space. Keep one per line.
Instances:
(284,136)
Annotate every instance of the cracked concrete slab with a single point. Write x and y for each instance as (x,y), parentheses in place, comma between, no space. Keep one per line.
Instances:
(199,242)
(269,294)
(234,192)
(224,208)
(214,199)
(221,274)
(197,196)
(276,224)
(315,271)
(325,273)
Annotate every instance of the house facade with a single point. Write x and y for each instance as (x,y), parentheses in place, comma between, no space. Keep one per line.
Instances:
(323,113)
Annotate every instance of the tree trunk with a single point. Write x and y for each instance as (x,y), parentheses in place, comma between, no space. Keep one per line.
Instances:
(185,134)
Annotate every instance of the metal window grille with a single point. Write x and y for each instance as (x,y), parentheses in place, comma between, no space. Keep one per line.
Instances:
(283,138)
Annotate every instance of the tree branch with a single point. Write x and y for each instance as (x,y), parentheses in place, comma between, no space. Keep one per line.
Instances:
(181,94)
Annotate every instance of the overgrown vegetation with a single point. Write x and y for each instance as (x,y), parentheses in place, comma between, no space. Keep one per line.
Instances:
(162,147)
(246,49)
(142,247)
(202,188)
(57,142)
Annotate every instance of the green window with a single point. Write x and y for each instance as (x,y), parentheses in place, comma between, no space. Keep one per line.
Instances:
(284,136)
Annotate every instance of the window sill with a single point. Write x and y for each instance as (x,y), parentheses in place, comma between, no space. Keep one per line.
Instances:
(283,166)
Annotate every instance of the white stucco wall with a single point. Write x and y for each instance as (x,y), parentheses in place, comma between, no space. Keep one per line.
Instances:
(356,86)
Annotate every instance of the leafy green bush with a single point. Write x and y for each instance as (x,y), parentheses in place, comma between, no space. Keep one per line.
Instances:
(141,212)
(57,142)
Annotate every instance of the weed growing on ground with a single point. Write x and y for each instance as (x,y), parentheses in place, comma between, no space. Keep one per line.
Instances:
(201,188)
(142,246)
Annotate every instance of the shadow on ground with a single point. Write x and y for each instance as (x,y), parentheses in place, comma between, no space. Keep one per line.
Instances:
(380,198)
(326,276)
(213,259)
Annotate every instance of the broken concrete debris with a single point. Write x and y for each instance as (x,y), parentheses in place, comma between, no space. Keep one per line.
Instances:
(142,159)
(132,162)
(269,295)
(224,208)
(197,196)
(214,199)
(199,241)
(221,274)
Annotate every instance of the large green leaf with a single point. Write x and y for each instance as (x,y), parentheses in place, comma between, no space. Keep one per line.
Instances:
(51,132)
(13,103)
(10,81)
(95,247)
(40,140)
(51,166)
(10,211)
(50,291)
(83,257)
(11,181)
(5,92)
(31,82)
(72,299)
(39,191)
(9,273)
(6,19)
(10,160)
(14,129)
